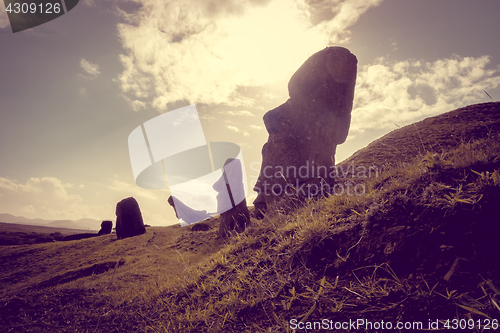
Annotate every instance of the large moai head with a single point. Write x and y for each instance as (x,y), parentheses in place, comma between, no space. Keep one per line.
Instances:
(324,86)
(305,131)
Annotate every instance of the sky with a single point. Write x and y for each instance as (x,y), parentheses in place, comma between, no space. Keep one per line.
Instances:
(73,89)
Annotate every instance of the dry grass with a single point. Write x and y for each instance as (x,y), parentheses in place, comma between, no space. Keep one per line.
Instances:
(417,246)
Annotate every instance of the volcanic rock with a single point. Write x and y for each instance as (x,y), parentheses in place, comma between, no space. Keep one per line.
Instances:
(304,131)
(200,227)
(129,221)
(235,219)
(106,227)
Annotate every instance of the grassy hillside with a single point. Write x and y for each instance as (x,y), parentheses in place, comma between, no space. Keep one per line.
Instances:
(418,244)
(434,134)
(19,234)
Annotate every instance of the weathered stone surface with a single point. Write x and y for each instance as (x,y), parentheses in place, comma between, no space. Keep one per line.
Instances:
(200,226)
(260,209)
(235,219)
(129,221)
(106,227)
(304,132)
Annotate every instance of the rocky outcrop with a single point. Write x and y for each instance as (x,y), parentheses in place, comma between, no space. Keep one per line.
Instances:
(235,219)
(129,221)
(304,132)
(106,227)
(78,236)
(200,226)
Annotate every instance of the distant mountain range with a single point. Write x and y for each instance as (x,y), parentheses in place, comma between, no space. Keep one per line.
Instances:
(83,224)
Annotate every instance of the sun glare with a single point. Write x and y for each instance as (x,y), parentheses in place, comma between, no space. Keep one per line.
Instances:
(269,43)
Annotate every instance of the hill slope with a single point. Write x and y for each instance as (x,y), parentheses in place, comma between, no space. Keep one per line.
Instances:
(81,224)
(416,247)
(434,134)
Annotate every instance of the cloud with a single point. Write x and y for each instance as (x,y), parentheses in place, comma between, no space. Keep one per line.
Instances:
(233,128)
(137,105)
(240,113)
(50,186)
(394,46)
(48,198)
(89,3)
(207,117)
(339,15)
(237,130)
(255,127)
(28,210)
(133,190)
(204,51)
(154,219)
(4,19)
(8,184)
(90,68)
(51,199)
(399,93)
(82,91)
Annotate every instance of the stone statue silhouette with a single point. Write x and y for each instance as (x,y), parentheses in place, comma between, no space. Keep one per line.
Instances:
(231,202)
